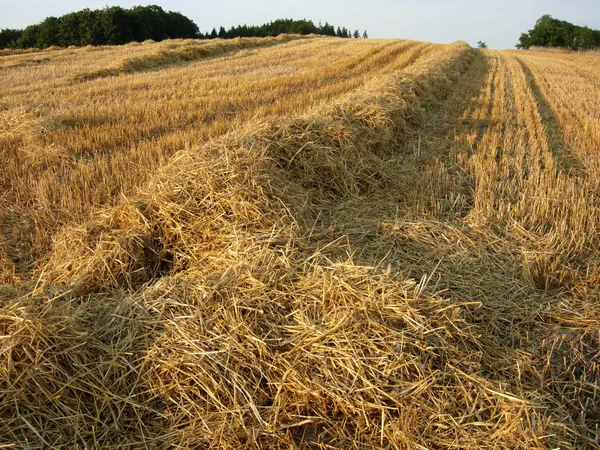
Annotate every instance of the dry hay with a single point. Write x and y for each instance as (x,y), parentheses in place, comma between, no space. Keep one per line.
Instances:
(273,175)
(187,50)
(212,311)
(7,268)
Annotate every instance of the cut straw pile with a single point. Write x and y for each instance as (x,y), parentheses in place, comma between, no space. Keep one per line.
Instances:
(187,50)
(216,310)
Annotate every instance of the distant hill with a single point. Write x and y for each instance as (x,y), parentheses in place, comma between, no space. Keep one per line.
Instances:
(551,32)
(115,25)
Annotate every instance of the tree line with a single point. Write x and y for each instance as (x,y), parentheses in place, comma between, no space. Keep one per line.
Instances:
(280,26)
(116,26)
(551,32)
(108,26)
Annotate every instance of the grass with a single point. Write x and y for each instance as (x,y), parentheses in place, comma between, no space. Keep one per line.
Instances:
(378,250)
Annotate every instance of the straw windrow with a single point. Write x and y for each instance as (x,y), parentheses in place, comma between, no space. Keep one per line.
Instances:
(190,50)
(247,182)
(68,150)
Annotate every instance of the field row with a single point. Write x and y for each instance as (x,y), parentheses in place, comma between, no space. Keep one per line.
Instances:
(69,148)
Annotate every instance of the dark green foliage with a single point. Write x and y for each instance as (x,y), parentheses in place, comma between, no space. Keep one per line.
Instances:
(551,32)
(327,30)
(482,44)
(115,25)
(278,27)
(108,26)
(9,38)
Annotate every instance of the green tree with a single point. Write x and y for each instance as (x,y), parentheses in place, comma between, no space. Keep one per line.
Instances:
(327,30)
(524,41)
(47,32)
(551,32)
(302,27)
(365,35)
(146,23)
(116,26)
(91,29)
(68,30)
(29,37)
(482,44)
(9,38)
(179,26)
(586,38)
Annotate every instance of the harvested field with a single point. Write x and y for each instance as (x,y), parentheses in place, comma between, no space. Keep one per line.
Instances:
(299,243)
(70,147)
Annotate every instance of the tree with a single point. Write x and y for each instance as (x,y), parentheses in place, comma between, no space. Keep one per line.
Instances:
(327,30)
(112,26)
(365,35)
(116,25)
(356,34)
(68,30)
(28,37)
(177,25)
(148,23)
(47,33)
(551,32)
(9,38)
(523,43)
(91,30)
(482,44)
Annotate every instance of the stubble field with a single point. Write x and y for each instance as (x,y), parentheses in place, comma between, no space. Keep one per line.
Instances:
(299,243)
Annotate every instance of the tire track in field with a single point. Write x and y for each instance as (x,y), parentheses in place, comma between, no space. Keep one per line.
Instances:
(486,121)
(434,192)
(554,132)
(571,96)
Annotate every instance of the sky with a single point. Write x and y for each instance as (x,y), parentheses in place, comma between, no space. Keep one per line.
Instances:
(499,23)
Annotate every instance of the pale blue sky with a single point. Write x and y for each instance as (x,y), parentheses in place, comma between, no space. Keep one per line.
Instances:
(497,22)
